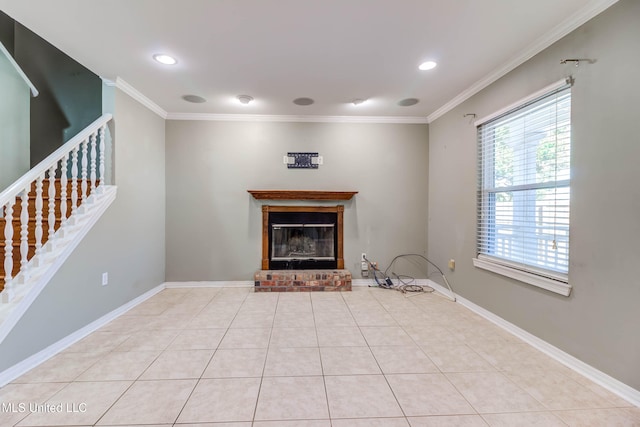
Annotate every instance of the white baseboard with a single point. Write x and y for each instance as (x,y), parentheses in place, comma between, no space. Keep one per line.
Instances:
(31,362)
(362,282)
(619,388)
(242,284)
(248,284)
(214,284)
(54,254)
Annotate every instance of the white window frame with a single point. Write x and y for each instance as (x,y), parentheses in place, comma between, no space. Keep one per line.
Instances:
(545,279)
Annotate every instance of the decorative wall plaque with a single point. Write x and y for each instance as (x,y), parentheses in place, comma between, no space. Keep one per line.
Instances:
(303,160)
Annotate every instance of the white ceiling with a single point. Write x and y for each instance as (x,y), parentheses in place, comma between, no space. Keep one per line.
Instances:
(330,50)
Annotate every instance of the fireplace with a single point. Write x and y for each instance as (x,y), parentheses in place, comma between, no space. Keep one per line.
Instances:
(303,246)
(302,237)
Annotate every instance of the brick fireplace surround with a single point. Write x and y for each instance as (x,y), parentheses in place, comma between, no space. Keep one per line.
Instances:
(301,280)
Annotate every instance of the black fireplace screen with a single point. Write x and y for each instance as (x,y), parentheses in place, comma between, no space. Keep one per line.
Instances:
(301,242)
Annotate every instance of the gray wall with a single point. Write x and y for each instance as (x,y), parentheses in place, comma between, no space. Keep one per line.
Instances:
(128,242)
(214,225)
(14,124)
(70,94)
(7,31)
(599,322)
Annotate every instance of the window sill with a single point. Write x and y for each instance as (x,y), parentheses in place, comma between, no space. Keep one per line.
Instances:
(523,276)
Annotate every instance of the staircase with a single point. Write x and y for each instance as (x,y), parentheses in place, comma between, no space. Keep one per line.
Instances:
(71,205)
(46,213)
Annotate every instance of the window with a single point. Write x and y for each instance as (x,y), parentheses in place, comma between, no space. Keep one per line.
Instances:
(524,190)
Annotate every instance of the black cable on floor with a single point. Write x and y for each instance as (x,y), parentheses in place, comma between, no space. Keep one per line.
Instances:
(382,278)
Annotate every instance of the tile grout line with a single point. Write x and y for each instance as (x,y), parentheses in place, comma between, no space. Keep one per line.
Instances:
(420,347)
(184,405)
(113,350)
(378,363)
(324,381)
(389,307)
(266,357)
(138,378)
(460,392)
(442,372)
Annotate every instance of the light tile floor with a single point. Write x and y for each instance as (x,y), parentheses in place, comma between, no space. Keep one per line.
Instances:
(229,357)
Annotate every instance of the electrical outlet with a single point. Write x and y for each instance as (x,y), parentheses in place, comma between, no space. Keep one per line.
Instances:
(105,279)
(452,264)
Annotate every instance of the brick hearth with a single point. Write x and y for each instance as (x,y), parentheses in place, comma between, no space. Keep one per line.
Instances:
(302,280)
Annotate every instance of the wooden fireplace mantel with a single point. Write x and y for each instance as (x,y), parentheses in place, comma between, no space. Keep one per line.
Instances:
(301,195)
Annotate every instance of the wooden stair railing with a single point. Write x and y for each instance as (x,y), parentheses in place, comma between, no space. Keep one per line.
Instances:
(31,227)
(37,205)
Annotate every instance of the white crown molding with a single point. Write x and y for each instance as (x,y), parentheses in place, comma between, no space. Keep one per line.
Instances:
(108,82)
(577,19)
(138,96)
(583,15)
(291,118)
(615,386)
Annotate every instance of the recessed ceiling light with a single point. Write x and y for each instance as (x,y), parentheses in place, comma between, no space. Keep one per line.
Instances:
(303,101)
(245,99)
(408,102)
(194,98)
(429,65)
(165,59)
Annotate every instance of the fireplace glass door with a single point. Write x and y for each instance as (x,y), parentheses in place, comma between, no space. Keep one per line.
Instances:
(302,242)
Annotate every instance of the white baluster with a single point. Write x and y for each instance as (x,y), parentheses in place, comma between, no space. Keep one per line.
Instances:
(74,180)
(63,189)
(84,164)
(101,149)
(92,157)
(8,241)
(24,231)
(52,201)
(38,231)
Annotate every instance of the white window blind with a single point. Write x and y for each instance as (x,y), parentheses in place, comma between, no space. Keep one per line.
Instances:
(524,185)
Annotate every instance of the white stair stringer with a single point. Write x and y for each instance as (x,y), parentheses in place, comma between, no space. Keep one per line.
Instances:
(16,299)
